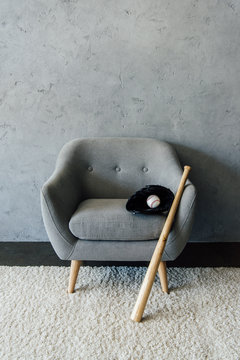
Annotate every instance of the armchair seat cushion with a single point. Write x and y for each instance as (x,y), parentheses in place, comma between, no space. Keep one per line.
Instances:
(108,219)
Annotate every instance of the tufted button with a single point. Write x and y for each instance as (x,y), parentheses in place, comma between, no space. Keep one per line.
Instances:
(90,168)
(118,169)
(145,169)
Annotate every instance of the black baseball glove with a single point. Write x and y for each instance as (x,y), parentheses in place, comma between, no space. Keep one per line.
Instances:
(137,203)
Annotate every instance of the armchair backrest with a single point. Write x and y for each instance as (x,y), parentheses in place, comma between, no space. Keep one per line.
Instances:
(117,167)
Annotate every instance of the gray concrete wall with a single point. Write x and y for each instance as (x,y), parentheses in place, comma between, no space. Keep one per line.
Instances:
(149,68)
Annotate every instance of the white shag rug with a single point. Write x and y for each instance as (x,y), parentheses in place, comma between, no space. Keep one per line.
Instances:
(199,319)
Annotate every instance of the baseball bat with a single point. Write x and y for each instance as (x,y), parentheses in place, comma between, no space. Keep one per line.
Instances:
(157,254)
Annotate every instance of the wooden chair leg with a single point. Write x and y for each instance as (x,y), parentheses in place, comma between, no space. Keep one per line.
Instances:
(75,265)
(162,270)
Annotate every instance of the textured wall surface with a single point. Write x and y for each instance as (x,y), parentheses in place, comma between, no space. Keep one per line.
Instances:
(166,69)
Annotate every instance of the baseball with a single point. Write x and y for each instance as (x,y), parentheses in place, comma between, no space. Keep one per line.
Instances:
(153,201)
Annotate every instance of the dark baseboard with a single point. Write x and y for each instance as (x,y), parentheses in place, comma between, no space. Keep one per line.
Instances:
(194,255)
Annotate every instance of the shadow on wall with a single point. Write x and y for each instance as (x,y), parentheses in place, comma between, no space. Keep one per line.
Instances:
(217,211)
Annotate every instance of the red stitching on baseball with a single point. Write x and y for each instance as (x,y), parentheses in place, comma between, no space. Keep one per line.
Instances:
(154,202)
(151,196)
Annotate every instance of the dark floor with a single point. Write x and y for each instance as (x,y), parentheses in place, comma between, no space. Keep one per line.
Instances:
(194,255)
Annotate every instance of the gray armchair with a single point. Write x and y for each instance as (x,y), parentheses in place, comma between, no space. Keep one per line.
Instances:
(83,202)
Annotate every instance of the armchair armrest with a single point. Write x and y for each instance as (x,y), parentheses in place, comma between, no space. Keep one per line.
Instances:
(183,222)
(60,196)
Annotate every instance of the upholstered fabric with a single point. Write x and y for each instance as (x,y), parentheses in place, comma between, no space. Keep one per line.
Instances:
(108,219)
(112,168)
